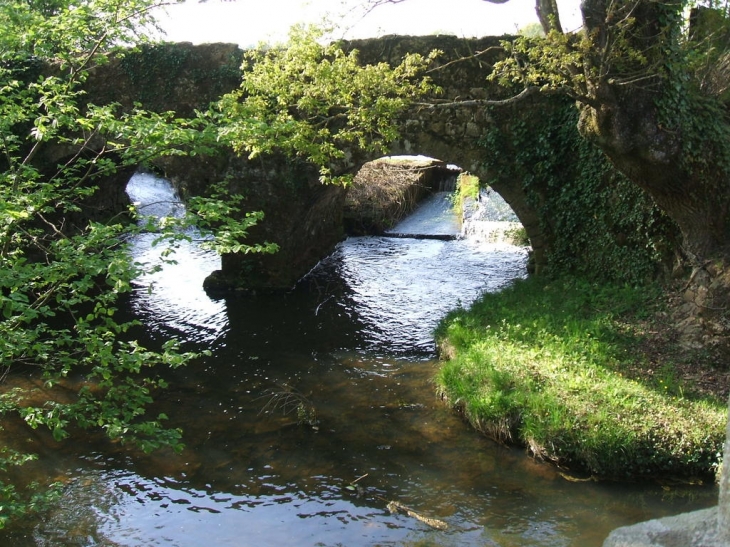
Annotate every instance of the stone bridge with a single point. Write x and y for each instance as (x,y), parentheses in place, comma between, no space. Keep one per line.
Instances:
(302,216)
(305,218)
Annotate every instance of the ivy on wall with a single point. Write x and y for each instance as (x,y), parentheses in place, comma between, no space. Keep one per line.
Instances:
(596,222)
(161,73)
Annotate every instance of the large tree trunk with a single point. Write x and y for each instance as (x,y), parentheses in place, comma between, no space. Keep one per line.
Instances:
(668,135)
(624,118)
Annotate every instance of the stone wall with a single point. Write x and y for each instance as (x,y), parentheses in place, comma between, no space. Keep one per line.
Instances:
(301,215)
(179,77)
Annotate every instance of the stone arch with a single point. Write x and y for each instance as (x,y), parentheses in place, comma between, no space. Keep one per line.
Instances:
(463,150)
(456,133)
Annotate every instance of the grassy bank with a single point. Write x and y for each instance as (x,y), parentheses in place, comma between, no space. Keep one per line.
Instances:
(578,374)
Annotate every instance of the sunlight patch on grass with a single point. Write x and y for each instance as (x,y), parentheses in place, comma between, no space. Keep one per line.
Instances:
(545,366)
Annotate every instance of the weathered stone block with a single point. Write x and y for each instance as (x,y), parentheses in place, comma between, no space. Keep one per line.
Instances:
(696,529)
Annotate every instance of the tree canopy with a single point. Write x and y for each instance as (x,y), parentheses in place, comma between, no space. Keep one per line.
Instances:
(314,101)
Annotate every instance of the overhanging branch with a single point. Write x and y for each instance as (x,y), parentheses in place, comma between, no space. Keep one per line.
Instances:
(527,92)
(473,56)
(522,95)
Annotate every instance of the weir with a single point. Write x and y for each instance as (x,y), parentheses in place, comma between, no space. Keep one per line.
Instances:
(434,218)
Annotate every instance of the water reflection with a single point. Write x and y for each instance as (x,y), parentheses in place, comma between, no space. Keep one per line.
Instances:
(172,298)
(353,341)
(398,289)
(253,478)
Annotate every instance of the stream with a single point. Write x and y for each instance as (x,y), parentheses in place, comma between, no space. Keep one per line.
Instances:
(315,410)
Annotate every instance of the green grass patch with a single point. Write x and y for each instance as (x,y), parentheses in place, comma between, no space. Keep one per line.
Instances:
(552,365)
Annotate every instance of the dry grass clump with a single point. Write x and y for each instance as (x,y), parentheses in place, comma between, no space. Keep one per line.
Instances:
(384,191)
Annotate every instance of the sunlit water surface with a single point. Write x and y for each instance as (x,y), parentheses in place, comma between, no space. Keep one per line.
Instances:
(353,343)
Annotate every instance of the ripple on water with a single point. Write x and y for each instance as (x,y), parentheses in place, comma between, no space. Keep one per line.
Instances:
(398,289)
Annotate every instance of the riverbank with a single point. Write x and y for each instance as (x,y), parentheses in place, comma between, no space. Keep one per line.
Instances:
(591,377)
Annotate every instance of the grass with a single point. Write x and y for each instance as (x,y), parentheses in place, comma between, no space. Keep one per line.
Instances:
(564,368)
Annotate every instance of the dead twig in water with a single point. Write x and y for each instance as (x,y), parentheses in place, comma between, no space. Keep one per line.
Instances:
(394,507)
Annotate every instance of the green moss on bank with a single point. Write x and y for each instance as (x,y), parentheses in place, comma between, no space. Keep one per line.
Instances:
(557,367)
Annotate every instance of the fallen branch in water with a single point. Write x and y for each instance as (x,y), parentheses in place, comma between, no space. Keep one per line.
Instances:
(394,507)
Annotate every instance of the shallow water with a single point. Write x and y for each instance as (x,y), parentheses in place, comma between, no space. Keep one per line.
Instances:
(352,343)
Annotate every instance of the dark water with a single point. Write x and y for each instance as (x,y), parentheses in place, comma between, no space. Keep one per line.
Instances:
(350,348)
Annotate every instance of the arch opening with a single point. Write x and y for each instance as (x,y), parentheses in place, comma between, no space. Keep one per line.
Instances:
(386,190)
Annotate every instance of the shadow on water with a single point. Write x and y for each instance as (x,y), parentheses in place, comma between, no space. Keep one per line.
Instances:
(351,349)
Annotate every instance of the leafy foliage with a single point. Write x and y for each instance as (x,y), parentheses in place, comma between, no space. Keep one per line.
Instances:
(218,215)
(74,35)
(64,265)
(553,62)
(317,102)
(689,104)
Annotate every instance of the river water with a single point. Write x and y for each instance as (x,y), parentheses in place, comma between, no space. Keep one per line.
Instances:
(315,410)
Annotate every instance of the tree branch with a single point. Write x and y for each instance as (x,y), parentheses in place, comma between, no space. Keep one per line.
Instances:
(522,95)
(527,92)
(467,58)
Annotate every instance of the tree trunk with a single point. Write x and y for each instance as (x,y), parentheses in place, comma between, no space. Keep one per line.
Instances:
(547,13)
(678,157)
(655,122)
